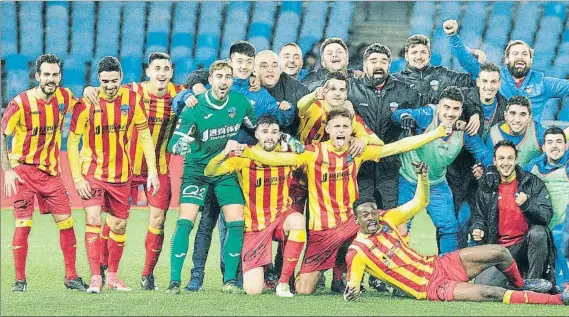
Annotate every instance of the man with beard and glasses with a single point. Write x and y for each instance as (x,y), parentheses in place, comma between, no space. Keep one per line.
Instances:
(439,154)
(380,250)
(514,212)
(491,105)
(552,167)
(332,189)
(519,128)
(31,168)
(290,61)
(268,214)
(517,76)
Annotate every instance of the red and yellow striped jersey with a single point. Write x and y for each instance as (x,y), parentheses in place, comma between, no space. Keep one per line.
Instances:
(106,129)
(331,172)
(161,122)
(37,125)
(265,188)
(386,256)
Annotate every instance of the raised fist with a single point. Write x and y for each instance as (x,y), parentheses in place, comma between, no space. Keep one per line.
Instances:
(450,27)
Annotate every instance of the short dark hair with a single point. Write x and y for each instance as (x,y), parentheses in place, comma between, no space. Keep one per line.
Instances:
(337,76)
(505,143)
(242,47)
(339,112)
(555,130)
(290,44)
(47,58)
(452,93)
(267,119)
(489,67)
(332,40)
(416,39)
(377,48)
(362,200)
(520,101)
(220,64)
(157,55)
(109,64)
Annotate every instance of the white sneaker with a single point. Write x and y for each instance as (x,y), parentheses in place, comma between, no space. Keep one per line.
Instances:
(283,290)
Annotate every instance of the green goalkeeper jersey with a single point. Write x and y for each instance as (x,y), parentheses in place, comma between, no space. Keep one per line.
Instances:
(210,124)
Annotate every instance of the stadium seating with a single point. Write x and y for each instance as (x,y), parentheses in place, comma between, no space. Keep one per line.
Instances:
(208,33)
(288,24)
(107,28)
(314,22)
(9,37)
(31,34)
(340,19)
(17,75)
(133,32)
(262,21)
(57,27)
(83,25)
(234,28)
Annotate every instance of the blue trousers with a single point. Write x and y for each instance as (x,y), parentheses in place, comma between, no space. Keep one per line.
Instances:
(440,209)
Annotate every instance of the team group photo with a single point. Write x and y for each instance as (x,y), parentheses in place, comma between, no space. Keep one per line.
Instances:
(279,158)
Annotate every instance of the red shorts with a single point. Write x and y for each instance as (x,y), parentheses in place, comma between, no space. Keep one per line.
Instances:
(113,197)
(162,198)
(447,272)
(322,246)
(49,190)
(257,246)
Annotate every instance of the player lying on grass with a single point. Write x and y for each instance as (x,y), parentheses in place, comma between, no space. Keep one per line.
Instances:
(380,251)
(267,212)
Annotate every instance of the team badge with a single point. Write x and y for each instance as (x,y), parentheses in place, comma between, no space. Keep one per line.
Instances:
(393,106)
(125,109)
(61,108)
(192,130)
(252,102)
(232,111)
(349,158)
(529,89)
(434,85)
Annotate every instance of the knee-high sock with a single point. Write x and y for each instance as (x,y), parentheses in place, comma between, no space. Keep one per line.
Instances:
(93,247)
(153,245)
(513,274)
(179,248)
(232,252)
(105,244)
(293,248)
(68,245)
(20,247)
(116,247)
(525,297)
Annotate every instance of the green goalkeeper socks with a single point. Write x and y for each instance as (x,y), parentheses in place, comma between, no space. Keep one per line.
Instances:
(232,252)
(179,248)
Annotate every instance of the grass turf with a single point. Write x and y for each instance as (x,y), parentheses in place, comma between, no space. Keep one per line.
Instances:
(47,296)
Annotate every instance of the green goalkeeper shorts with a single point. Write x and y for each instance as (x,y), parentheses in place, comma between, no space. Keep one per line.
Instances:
(193,189)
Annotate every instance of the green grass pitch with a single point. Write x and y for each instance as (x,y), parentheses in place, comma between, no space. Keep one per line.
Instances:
(47,296)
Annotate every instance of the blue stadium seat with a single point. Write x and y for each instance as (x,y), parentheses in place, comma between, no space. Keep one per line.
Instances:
(82,33)
(551,109)
(31,34)
(183,32)
(314,21)
(132,69)
(448,10)
(133,31)
(93,76)
(158,27)
(74,70)
(556,10)
(291,6)
(156,42)
(17,75)
(182,68)
(422,18)
(9,37)
(341,17)
(57,26)
(206,52)
(235,24)
(209,32)
(526,23)
(287,29)
(564,113)
(107,26)
(503,8)
(259,35)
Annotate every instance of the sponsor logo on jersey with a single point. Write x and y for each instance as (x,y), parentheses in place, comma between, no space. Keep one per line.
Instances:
(434,85)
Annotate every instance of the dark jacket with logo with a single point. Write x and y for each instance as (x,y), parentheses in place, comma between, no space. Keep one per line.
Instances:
(376,109)
(291,90)
(432,80)
(536,209)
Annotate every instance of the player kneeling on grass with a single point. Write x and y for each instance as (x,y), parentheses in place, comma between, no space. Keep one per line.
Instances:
(102,171)
(380,251)
(267,211)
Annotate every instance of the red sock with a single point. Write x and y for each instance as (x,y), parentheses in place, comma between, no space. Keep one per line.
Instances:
(154,240)
(93,247)
(291,254)
(116,247)
(105,244)
(513,274)
(338,271)
(69,247)
(524,297)
(20,249)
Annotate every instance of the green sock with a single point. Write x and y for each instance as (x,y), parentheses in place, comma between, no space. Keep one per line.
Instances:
(179,248)
(232,252)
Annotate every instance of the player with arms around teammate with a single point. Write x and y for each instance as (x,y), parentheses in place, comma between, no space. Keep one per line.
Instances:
(102,172)
(380,250)
(35,119)
(202,132)
(268,213)
(332,189)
